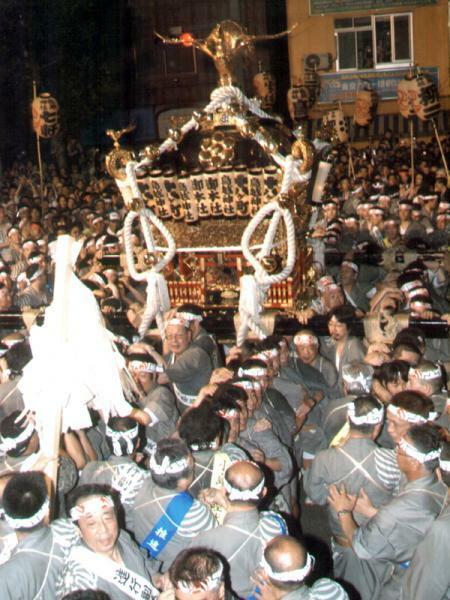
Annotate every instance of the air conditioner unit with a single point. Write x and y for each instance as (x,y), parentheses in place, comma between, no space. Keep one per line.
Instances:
(319,62)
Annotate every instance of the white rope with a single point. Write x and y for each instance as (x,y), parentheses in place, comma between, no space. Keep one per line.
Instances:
(158,301)
(254,288)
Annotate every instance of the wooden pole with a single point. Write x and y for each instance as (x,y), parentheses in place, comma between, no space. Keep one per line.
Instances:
(436,133)
(38,148)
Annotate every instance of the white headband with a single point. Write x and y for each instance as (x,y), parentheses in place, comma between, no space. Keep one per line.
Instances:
(261,356)
(374,417)
(428,375)
(91,507)
(166,467)
(296,575)
(35,259)
(364,381)
(177,321)
(227,412)
(143,366)
(205,446)
(306,338)
(129,436)
(444,465)
(96,278)
(187,316)
(252,372)
(235,494)
(351,265)
(412,452)
(10,443)
(28,522)
(209,583)
(245,385)
(407,287)
(405,415)
(38,273)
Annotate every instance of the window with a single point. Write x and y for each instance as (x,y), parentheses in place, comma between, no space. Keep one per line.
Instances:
(371,42)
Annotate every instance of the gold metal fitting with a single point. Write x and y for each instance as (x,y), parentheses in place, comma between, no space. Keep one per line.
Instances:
(175,134)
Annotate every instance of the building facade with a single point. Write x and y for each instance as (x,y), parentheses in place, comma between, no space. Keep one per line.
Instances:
(352,42)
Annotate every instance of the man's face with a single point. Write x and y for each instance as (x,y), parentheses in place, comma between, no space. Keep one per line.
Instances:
(403,460)
(307,352)
(5,299)
(338,331)
(143,379)
(332,298)
(412,358)
(391,230)
(396,426)
(347,275)
(330,212)
(178,338)
(100,530)
(404,213)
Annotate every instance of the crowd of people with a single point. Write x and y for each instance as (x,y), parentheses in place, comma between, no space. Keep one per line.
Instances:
(197,492)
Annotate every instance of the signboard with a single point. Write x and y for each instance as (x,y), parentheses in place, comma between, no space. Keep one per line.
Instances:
(318,7)
(341,87)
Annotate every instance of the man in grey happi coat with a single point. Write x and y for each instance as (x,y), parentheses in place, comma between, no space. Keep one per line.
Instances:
(188,366)
(158,401)
(282,572)
(358,463)
(379,551)
(120,470)
(205,433)
(428,575)
(104,558)
(172,472)
(245,531)
(37,560)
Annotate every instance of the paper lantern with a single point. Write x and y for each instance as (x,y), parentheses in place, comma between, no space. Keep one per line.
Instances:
(407,93)
(265,88)
(45,111)
(336,119)
(365,107)
(427,103)
(312,83)
(298,101)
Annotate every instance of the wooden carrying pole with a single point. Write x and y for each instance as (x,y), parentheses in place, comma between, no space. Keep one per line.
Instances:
(38,149)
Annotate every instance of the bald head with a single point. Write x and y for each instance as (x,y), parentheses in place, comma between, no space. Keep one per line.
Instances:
(244,484)
(285,553)
(244,475)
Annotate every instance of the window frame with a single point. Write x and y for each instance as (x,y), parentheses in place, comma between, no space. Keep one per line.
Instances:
(394,63)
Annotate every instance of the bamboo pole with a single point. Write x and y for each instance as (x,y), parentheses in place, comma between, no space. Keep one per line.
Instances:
(436,133)
(38,148)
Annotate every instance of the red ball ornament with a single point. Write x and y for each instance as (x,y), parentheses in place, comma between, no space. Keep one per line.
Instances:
(187,39)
